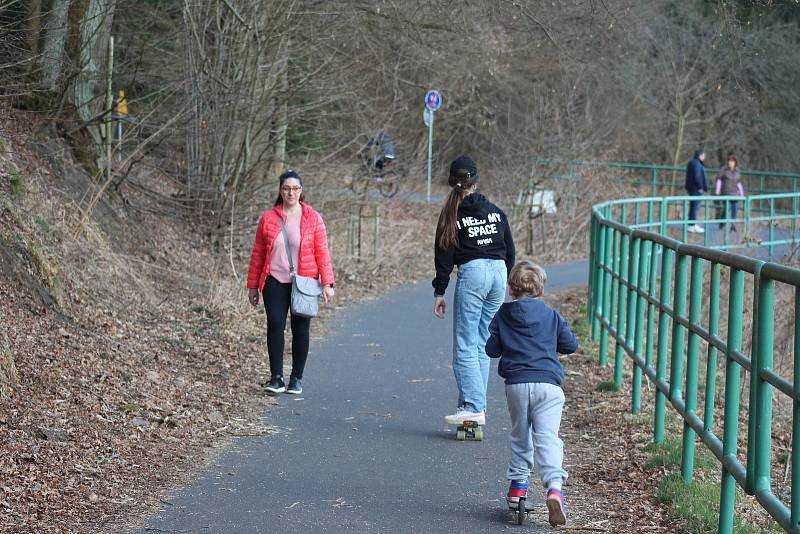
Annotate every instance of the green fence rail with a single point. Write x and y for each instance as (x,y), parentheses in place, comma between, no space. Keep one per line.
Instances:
(659,177)
(663,303)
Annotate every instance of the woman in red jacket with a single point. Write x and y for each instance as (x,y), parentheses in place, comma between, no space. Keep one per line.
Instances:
(269,273)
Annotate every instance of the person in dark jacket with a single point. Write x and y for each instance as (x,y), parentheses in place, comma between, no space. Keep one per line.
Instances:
(379,150)
(696,185)
(473,234)
(526,334)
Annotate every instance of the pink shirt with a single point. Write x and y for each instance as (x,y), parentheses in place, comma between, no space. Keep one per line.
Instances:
(279,262)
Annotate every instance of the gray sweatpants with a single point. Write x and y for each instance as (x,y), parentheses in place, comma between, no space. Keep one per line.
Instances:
(535,410)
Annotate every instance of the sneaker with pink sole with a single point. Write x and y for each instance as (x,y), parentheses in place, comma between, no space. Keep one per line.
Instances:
(556,510)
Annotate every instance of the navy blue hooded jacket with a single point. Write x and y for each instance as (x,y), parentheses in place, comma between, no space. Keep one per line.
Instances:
(696,175)
(526,334)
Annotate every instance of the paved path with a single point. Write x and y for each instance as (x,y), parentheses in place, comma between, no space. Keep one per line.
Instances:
(365,449)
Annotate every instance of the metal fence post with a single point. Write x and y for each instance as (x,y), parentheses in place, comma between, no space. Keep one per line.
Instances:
(622,309)
(753,412)
(771,226)
(711,366)
(692,361)
(747,208)
(732,383)
(652,291)
(644,248)
(592,273)
(763,405)
(795,456)
(599,250)
(633,279)
(678,331)
(608,233)
(663,338)
(599,280)
(613,318)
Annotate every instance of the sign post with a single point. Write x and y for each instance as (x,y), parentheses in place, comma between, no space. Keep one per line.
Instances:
(121,115)
(433,101)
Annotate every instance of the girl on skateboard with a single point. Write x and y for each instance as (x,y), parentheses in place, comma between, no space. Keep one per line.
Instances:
(526,334)
(472,234)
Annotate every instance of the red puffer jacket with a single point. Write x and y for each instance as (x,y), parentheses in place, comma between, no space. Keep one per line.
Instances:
(315,259)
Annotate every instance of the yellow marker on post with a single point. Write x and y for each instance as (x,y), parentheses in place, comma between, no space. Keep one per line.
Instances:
(122,113)
(122,103)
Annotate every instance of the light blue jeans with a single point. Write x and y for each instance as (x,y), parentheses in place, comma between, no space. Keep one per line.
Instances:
(480,290)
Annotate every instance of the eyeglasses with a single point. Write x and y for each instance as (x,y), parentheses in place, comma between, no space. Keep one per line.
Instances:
(290,189)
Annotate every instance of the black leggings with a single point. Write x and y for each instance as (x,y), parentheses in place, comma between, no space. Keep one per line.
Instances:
(277,300)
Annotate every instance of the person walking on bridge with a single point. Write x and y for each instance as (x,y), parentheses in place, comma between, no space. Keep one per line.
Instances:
(473,234)
(729,183)
(272,269)
(696,185)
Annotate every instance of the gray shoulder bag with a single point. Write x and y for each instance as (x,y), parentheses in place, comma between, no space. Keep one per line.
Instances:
(305,291)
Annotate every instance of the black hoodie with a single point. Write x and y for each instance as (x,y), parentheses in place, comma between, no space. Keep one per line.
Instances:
(483,233)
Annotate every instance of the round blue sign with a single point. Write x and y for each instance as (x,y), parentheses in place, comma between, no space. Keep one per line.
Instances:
(433,100)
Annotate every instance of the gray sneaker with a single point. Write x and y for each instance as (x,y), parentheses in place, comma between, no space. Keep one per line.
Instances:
(295,387)
(276,385)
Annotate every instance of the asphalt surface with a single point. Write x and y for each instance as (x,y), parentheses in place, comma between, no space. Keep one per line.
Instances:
(365,448)
(759,233)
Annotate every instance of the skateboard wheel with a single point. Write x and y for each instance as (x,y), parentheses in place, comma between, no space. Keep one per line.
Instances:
(461,435)
(479,434)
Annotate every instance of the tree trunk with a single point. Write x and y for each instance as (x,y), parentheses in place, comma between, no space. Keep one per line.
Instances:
(34,31)
(94,32)
(282,110)
(53,44)
(678,145)
(89,28)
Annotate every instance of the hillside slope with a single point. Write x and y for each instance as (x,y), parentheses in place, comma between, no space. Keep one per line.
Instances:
(128,350)
(122,355)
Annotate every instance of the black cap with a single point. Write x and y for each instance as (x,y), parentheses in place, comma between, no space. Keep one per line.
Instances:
(464,166)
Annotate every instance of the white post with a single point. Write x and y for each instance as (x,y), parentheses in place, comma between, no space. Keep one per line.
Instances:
(109,134)
(430,152)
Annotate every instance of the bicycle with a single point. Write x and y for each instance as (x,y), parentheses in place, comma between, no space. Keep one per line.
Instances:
(377,170)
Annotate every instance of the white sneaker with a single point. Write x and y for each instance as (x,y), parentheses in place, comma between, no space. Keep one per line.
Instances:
(699,229)
(464,415)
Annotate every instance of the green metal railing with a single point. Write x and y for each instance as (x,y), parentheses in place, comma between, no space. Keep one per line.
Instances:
(774,216)
(659,177)
(659,300)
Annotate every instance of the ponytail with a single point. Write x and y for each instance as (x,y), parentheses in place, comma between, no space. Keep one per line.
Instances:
(461,181)
(446,228)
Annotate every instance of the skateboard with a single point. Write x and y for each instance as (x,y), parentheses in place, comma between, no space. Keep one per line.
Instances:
(469,430)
